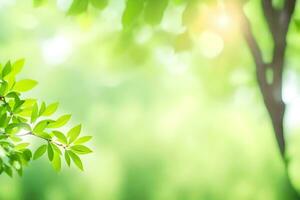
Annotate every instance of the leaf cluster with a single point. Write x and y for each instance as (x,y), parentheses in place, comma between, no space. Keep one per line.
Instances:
(148,11)
(21,117)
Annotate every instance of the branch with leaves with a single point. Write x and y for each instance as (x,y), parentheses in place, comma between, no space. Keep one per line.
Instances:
(20,118)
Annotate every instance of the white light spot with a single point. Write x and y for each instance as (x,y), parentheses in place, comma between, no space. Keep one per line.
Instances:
(56,50)
(63,4)
(210,44)
(291,96)
(174,63)
(290,90)
(2,152)
(223,21)
(143,35)
(17,164)
(4,3)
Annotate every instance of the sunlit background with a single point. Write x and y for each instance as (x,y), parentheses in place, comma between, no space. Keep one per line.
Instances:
(174,110)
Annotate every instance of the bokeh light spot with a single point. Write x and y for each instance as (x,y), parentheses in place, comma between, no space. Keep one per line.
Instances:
(211,44)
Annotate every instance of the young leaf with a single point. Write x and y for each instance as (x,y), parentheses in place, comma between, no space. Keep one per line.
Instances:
(17,66)
(40,127)
(24,85)
(76,160)
(50,152)
(6,70)
(60,121)
(42,109)
(67,158)
(80,149)
(43,135)
(60,136)
(56,162)
(34,113)
(74,133)
(40,151)
(56,149)
(21,146)
(50,109)
(83,139)
(3,88)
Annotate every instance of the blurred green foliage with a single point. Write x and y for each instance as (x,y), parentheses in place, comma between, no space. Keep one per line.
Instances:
(174,108)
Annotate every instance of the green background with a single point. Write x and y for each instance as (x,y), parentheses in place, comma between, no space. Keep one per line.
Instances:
(167,124)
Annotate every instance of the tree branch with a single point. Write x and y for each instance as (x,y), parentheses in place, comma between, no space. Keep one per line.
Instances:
(271,15)
(48,140)
(278,22)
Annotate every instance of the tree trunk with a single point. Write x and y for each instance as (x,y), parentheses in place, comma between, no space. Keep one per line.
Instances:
(278,21)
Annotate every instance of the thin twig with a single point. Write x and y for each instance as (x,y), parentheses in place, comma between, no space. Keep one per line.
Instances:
(48,140)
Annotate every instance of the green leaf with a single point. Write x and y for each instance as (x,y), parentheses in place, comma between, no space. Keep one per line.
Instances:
(74,133)
(18,66)
(34,113)
(154,11)
(60,136)
(40,127)
(55,148)
(42,109)
(3,88)
(25,85)
(132,12)
(76,160)
(39,152)
(78,6)
(6,70)
(56,162)
(50,109)
(27,154)
(67,158)
(83,139)
(60,121)
(8,170)
(99,4)
(37,3)
(15,127)
(50,152)
(80,149)
(10,79)
(21,146)
(43,135)
(29,102)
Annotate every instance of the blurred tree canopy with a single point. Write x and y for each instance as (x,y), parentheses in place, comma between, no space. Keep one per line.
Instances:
(169,87)
(269,72)
(278,15)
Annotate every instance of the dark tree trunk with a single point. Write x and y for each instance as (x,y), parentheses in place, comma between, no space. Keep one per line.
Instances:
(278,21)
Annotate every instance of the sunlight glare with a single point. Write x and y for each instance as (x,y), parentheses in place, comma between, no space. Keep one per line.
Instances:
(211,44)
(56,50)
(224,21)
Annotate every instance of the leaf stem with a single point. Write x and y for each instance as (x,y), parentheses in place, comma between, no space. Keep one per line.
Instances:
(48,140)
